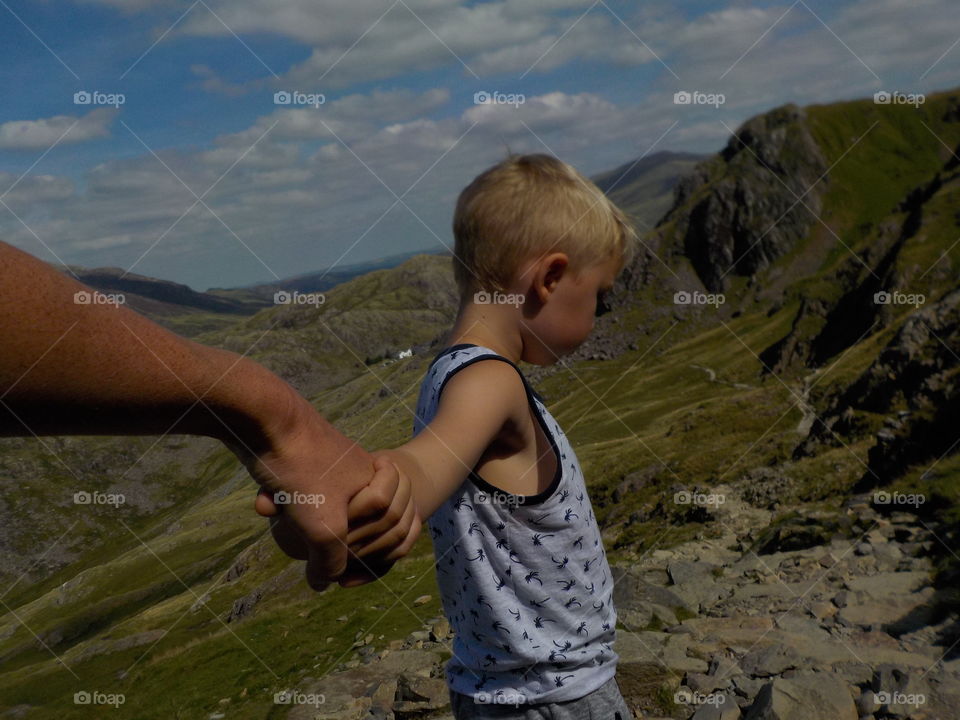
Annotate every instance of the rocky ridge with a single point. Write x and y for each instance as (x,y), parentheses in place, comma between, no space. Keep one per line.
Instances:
(833,616)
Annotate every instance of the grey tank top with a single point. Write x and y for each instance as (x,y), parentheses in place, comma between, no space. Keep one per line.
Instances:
(524,579)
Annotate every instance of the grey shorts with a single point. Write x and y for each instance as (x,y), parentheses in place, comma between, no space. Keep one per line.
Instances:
(604,703)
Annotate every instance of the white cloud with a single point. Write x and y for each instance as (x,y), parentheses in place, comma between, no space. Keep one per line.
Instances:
(317,203)
(44,132)
(299,198)
(368,40)
(212,82)
(34,188)
(350,117)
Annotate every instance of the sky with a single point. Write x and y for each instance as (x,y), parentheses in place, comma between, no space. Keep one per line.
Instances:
(222,143)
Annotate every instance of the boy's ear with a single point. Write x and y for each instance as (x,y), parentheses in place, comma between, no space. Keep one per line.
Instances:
(547,273)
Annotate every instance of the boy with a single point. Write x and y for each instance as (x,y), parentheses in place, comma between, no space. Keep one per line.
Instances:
(520,564)
(519,560)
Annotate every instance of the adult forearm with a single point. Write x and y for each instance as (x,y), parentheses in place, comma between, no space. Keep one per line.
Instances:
(73,368)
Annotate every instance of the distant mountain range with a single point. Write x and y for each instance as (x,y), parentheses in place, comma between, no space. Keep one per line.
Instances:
(643,187)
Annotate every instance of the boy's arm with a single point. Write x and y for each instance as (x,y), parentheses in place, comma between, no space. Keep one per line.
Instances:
(477,403)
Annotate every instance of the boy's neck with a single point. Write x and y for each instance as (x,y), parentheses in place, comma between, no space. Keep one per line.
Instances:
(492,325)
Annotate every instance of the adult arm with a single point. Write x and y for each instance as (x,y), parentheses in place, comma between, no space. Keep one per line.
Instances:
(69,368)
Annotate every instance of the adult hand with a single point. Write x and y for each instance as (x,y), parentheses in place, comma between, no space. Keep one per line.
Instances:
(383,524)
(320,496)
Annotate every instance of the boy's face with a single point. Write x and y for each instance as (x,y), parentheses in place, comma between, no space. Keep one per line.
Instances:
(566,318)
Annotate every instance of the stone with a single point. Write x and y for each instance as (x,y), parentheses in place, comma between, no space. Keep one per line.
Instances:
(664,614)
(635,618)
(867,704)
(703,683)
(771,660)
(721,706)
(440,630)
(889,583)
(808,696)
(734,630)
(631,592)
(747,687)
(885,610)
(879,648)
(418,696)
(821,610)
(675,657)
(643,646)
(682,571)
(900,692)
(854,672)
(888,554)
(828,560)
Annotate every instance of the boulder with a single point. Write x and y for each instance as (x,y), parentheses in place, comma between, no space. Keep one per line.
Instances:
(771,660)
(809,696)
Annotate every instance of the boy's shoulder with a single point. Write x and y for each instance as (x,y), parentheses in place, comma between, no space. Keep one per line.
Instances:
(484,370)
(455,360)
(477,376)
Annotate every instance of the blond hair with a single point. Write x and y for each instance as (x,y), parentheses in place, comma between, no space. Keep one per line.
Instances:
(528,206)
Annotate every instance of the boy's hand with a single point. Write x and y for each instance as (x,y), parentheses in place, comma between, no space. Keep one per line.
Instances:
(382,525)
(383,534)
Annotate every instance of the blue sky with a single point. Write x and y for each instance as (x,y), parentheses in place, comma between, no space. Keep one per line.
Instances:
(200,177)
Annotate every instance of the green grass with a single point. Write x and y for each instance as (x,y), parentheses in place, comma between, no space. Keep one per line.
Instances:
(288,633)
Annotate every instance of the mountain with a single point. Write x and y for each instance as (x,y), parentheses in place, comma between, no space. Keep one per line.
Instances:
(644,187)
(192,313)
(175,306)
(322,280)
(766,420)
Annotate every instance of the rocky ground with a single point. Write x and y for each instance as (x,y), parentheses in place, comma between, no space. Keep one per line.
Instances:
(831,616)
